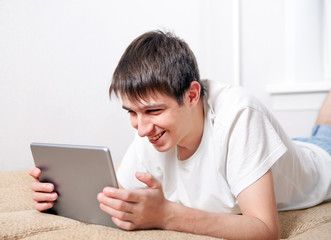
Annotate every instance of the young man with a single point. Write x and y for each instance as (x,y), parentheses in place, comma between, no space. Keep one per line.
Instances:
(205,153)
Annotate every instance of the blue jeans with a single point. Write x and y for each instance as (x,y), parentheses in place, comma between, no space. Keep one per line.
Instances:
(320,136)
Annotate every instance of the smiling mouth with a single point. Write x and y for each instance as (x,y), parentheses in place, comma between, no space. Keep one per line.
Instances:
(157,137)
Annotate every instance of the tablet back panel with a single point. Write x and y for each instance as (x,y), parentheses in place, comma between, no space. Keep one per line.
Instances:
(79,173)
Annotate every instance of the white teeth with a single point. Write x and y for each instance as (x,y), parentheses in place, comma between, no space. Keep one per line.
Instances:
(156,137)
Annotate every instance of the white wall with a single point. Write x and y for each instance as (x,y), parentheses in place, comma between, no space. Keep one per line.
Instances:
(57,58)
(282,56)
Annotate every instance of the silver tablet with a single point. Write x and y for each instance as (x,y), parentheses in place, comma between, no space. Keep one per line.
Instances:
(78,173)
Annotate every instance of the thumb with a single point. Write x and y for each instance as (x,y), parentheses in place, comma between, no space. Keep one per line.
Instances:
(148,179)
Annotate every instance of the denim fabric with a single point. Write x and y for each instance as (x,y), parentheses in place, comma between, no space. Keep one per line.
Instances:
(320,136)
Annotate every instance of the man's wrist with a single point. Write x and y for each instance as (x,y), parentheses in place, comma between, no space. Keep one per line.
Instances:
(169,213)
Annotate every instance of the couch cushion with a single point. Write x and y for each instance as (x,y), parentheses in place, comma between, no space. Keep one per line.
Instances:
(96,232)
(31,224)
(293,223)
(15,193)
(321,232)
(15,225)
(19,220)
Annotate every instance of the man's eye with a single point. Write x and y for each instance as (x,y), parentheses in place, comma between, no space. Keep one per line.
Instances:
(131,112)
(153,110)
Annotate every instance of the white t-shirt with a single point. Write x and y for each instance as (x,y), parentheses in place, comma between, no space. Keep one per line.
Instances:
(240,143)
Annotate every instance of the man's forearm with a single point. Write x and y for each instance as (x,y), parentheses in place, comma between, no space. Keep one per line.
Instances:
(148,208)
(228,226)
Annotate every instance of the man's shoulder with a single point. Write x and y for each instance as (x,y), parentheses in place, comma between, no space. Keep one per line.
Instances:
(228,98)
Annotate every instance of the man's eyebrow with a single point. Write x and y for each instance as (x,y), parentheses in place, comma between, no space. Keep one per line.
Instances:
(146,106)
(153,106)
(126,108)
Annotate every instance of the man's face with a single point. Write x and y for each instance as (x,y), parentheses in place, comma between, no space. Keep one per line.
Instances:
(161,119)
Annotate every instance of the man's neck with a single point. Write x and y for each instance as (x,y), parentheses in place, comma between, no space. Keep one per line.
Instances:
(193,142)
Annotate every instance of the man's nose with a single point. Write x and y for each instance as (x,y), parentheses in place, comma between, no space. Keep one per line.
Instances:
(144,126)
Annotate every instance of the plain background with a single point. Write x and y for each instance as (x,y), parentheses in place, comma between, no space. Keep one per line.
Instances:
(57,59)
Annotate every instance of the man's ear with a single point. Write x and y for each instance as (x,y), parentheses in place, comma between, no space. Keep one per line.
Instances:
(194,93)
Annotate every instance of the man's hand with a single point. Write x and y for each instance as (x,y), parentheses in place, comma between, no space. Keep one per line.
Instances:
(43,194)
(136,209)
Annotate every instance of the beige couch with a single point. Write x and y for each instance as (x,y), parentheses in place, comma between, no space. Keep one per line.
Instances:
(18,220)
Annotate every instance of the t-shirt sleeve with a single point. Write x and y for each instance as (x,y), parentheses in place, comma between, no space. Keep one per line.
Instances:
(254,146)
(130,164)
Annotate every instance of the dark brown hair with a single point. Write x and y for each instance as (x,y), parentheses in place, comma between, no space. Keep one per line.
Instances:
(155,62)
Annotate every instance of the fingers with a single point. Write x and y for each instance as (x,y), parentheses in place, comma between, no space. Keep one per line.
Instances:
(43,201)
(115,203)
(34,172)
(44,197)
(134,209)
(124,216)
(122,194)
(119,210)
(43,206)
(42,187)
(38,186)
(121,219)
(43,194)
(126,225)
(148,179)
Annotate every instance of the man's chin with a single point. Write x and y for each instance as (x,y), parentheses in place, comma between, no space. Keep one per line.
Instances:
(162,148)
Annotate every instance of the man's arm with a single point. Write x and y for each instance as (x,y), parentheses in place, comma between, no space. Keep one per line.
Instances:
(147,208)
(259,219)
